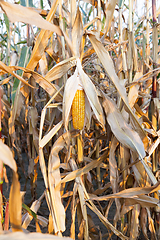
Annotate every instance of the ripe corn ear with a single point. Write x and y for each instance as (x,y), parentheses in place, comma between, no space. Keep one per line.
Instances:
(78,109)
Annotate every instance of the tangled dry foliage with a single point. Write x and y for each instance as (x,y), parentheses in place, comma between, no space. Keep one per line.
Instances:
(115,158)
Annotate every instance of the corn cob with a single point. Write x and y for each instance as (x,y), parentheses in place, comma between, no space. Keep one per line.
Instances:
(78,109)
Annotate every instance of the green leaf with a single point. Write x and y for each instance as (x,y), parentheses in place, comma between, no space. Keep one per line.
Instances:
(6,22)
(22,63)
(33,214)
(120,4)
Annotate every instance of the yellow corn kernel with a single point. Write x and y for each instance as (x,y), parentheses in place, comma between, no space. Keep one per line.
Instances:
(78,109)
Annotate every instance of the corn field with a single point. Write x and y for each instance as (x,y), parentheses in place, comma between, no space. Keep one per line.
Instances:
(79,120)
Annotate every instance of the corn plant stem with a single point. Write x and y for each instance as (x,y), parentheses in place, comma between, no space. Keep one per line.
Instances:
(155,48)
(80,148)
(97,156)
(99,16)
(1,163)
(130,40)
(154,80)
(1,174)
(123,164)
(147,32)
(154,95)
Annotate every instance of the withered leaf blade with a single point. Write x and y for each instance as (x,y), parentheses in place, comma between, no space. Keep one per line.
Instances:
(130,192)
(60,69)
(77,33)
(54,179)
(121,129)
(6,156)
(15,204)
(18,13)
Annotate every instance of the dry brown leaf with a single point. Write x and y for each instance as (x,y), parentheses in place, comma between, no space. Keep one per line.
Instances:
(82,203)
(143,200)
(114,178)
(9,69)
(43,64)
(60,69)
(54,179)
(139,170)
(133,91)
(18,13)
(77,32)
(109,14)
(121,129)
(50,134)
(6,156)
(34,207)
(15,204)
(130,192)
(79,172)
(73,211)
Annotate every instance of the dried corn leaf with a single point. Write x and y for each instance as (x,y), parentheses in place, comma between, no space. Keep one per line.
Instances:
(6,156)
(133,91)
(121,129)
(82,200)
(143,200)
(60,69)
(42,81)
(130,192)
(28,218)
(50,134)
(15,204)
(18,13)
(8,69)
(153,147)
(77,32)
(43,167)
(54,180)
(42,221)
(43,64)
(139,170)
(109,14)
(73,211)
(114,178)
(79,172)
